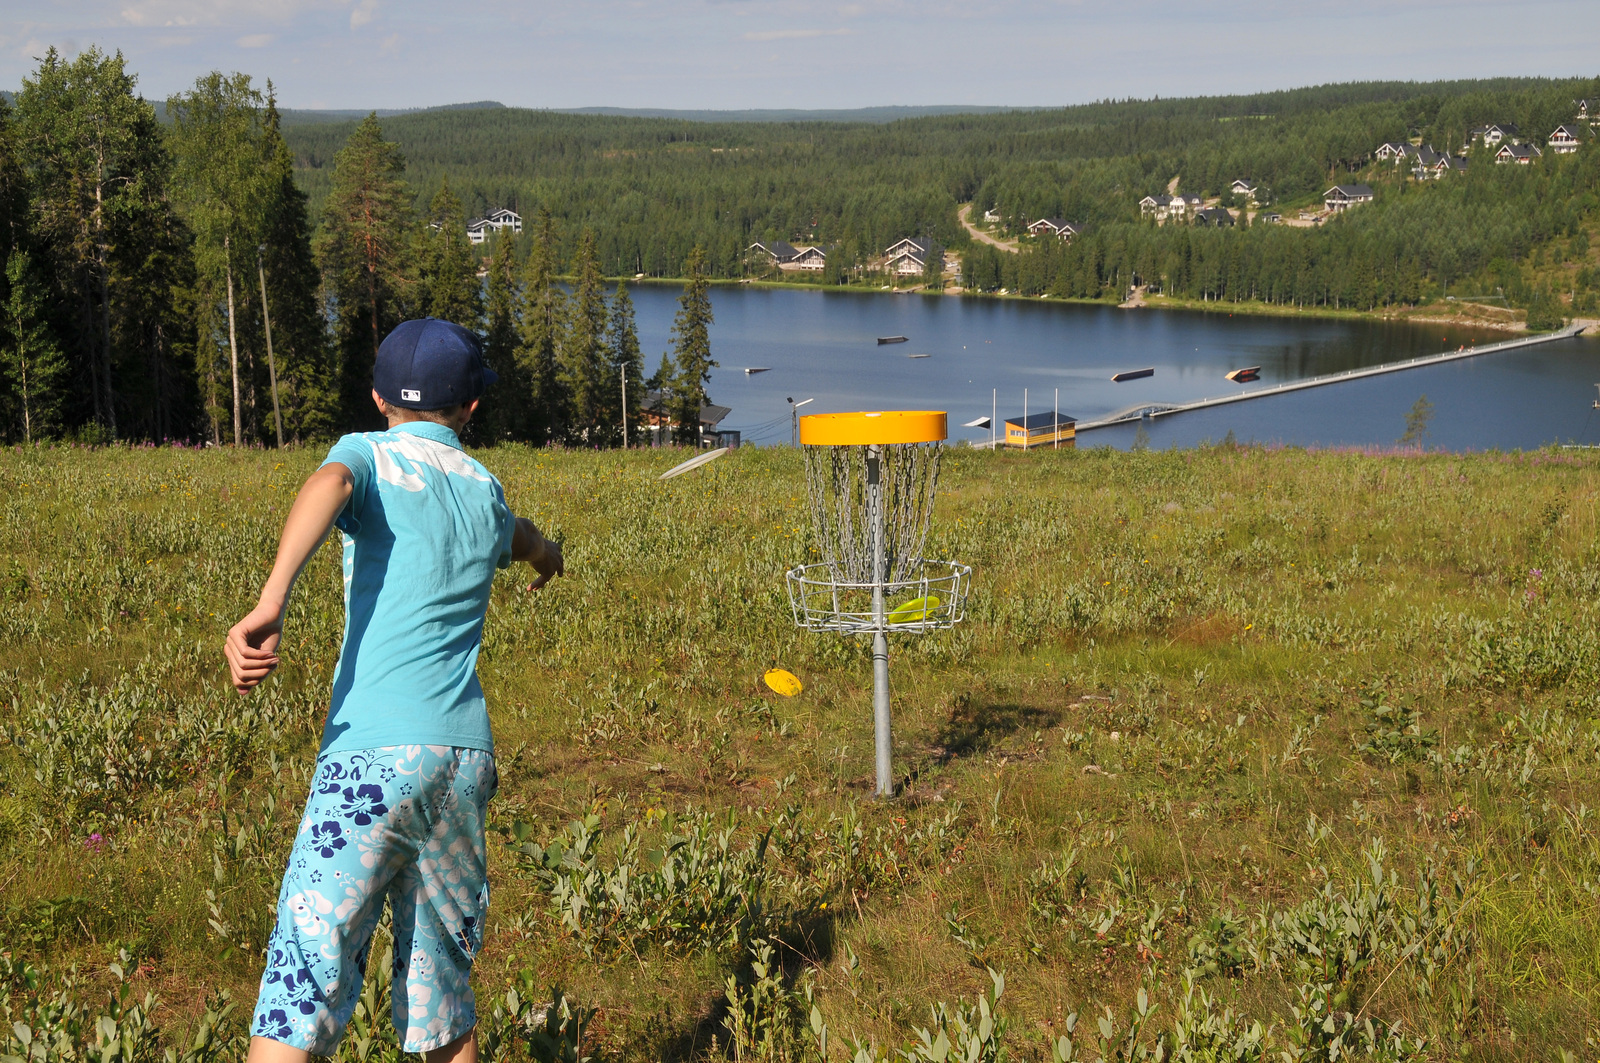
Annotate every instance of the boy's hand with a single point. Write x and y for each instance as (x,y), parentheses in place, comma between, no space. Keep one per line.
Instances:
(548,564)
(252,646)
(529,544)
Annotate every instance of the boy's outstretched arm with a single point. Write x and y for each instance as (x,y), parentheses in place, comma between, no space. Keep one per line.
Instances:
(529,544)
(252,644)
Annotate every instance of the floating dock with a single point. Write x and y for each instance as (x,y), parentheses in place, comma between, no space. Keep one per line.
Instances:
(1162,409)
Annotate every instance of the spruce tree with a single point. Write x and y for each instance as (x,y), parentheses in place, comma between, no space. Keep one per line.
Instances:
(585,362)
(447,266)
(30,359)
(92,147)
(627,362)
(366,224)
(543,327)
(505,416)
(691,348)
(307,380)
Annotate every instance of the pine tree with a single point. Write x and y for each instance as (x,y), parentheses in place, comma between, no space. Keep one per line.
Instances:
(585,365)
(505,416)
(30,360)
(691,348)
(627,361)
(447,267)
(543,326)
(366,222)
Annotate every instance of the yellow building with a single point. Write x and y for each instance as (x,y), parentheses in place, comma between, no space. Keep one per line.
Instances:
(1041,430)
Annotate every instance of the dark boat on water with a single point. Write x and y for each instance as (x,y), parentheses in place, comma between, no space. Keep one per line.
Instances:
(1245,376)
(892,339)
(1132,374)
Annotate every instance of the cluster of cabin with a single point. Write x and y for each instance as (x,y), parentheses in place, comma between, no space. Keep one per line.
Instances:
(1504,139)
(903,258)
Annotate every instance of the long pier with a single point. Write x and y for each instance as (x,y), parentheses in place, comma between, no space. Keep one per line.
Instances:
(1163,409)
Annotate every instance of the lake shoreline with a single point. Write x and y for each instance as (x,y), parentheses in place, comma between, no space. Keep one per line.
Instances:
(1152,302)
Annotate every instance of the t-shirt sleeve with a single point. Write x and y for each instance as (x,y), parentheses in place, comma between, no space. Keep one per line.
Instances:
(508,525)
(354,452)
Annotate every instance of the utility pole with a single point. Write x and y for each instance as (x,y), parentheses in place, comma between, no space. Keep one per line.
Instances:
(272,366)
(1055,424)
(622,371)
(1025,439)
(994,411)
(794,419)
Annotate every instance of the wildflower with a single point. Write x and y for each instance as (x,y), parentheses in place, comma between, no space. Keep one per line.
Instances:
(94,842)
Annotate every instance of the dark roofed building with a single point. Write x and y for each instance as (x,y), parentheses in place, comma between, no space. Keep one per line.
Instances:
(658,418)
(777,252)
(1046,429)
(1216,217)
(1343,197)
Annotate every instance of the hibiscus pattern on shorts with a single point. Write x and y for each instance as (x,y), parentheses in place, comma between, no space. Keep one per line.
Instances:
(403,826)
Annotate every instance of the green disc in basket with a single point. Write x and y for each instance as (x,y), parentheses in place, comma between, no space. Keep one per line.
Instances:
(914,611)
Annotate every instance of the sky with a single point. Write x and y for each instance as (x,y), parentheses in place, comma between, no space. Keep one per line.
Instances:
(740,54)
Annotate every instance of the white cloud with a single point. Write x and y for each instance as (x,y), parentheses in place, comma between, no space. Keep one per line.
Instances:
(363,13)
(212,12)
(256,40)
(791,35)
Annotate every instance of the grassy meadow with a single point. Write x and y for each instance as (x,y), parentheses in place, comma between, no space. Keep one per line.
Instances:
(1241,754)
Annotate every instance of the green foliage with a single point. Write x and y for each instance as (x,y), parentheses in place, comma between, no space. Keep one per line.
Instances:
(1394,731)
(691,348)
(447,268)
(1417,419)
(31,363)
(694,889)
(363,248)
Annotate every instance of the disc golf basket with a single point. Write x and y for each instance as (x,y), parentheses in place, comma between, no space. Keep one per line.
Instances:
(870,481)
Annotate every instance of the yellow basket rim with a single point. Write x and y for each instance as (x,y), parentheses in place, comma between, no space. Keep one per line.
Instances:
(873,428)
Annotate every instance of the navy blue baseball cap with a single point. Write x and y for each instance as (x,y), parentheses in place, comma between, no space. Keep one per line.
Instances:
(428,364)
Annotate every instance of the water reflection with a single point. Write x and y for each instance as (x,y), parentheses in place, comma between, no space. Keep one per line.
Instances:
(823,345)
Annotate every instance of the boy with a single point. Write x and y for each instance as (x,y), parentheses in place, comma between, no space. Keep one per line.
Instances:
(406,767)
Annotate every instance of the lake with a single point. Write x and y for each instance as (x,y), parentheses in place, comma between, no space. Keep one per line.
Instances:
(823,346)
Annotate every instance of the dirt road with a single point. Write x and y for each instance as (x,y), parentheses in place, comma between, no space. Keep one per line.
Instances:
(965,214)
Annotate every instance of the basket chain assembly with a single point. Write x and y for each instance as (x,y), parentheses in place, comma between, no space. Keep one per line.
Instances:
(836,486)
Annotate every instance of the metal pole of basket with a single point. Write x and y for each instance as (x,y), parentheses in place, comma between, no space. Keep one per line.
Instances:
(880,637)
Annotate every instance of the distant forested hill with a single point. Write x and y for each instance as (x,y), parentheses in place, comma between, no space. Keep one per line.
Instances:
(654,187)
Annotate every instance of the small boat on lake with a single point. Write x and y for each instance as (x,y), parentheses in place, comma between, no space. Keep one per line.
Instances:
(917,356)
(892,339)
(1132,374)
(1245,376)
(758,369)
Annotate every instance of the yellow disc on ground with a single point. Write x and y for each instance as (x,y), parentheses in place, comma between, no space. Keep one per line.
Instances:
(917,609)
(880,428)
(782,682)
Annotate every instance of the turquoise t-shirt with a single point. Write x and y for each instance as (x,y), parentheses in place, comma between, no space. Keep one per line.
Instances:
(424,531)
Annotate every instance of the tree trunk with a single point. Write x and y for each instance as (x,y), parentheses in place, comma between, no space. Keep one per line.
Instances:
(272,366)
(233,343)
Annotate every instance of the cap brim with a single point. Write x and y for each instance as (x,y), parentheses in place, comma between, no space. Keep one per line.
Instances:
(489,377)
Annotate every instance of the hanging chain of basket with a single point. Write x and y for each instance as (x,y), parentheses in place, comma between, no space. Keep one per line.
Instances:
(841,508)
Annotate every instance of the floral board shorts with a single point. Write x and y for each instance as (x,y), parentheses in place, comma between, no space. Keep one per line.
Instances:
(402,824)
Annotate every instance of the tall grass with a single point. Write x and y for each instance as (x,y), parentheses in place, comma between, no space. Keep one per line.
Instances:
(1241,754)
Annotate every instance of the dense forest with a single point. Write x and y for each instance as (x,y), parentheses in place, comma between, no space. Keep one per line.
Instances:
(209,268)
(653,188)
